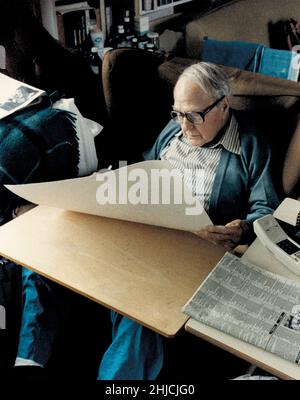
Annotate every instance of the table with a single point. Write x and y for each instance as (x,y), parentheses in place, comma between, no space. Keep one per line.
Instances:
(144,272)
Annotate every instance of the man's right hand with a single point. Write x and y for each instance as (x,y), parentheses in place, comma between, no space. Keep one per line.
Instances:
(228,236)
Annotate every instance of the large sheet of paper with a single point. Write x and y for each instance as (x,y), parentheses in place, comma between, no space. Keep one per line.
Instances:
(150,192)
(251,304)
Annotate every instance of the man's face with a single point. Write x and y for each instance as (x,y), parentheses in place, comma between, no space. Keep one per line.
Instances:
(188,97)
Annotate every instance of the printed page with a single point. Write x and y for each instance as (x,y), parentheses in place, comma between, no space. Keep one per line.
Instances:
(15,95)
(250,304)
(289,211)
(149,192)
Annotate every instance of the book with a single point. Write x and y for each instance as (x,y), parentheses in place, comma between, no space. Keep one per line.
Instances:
(102,18)
(16,95)
(108,19)
(61,28)
(250,304)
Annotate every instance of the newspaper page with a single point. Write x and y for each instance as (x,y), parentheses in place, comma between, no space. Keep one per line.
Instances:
(251,304)
(15,95)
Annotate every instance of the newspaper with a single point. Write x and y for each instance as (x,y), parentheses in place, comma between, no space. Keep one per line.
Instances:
(251,304)
(15,95)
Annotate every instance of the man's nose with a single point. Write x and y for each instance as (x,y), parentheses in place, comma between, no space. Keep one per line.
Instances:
(186,123)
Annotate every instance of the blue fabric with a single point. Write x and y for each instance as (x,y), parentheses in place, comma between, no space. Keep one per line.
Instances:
(135,351)
(162,140)
(39,325)
(243,186)
(276,63)
(250,57)
(242,55)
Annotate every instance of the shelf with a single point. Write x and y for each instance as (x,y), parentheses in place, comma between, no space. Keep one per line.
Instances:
(146,7)
(50,14)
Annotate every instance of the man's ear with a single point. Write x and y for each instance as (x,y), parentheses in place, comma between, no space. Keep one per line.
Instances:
(225,104)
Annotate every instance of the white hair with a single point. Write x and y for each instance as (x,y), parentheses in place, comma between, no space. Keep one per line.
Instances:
(209,77)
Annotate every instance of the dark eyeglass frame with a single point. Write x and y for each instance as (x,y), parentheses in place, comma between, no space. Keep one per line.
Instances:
(177,115)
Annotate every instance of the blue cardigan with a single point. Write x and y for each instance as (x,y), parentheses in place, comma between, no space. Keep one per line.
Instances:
(243,188)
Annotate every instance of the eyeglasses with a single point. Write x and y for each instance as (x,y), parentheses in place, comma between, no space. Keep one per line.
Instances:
(194,117)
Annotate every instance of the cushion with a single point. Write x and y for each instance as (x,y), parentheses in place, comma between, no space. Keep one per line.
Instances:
(251,57)
(237,54)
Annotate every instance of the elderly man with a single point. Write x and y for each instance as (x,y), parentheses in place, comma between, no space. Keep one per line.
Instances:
(236,189)
(235,160)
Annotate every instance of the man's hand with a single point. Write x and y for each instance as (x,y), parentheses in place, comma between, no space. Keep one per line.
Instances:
(228,236)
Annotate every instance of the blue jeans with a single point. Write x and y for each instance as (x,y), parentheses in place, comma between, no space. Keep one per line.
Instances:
(134,353)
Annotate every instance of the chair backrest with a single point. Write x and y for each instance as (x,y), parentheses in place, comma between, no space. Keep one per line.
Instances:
(135,101)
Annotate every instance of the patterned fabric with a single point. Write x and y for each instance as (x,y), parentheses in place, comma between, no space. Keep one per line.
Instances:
(37,144)
(201,162)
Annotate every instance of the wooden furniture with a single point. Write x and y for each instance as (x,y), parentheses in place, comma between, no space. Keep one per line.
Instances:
(53,19)
(144,272)
(275,365)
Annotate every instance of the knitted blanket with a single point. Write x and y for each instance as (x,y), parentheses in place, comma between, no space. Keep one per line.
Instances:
(37,144)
